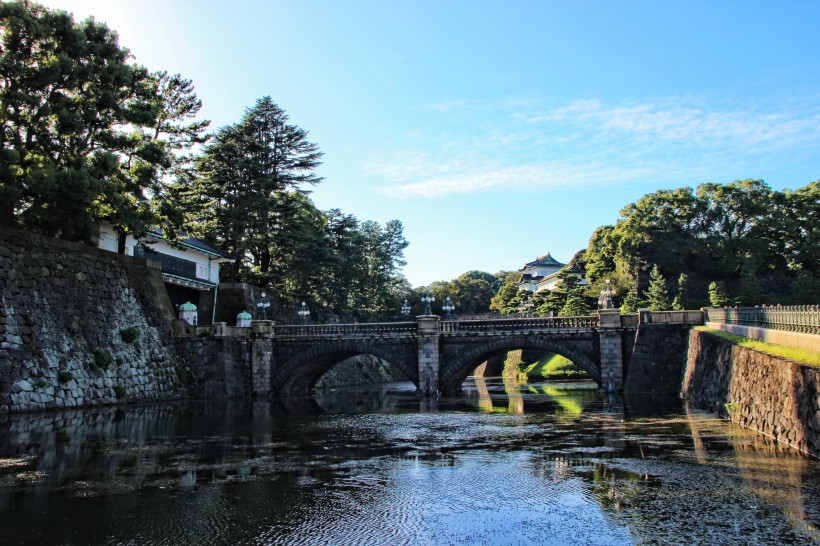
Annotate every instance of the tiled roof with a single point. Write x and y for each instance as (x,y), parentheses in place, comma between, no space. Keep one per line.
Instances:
(196,243)
(546,259)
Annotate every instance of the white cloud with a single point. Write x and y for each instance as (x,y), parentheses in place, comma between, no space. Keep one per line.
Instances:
(587,143)
(534,176)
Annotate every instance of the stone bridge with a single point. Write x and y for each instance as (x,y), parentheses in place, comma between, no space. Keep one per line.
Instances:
(437,355)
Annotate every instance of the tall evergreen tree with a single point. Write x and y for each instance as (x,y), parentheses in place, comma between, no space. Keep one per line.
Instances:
(245,197)
(681,300)
(657,295)
(718,296)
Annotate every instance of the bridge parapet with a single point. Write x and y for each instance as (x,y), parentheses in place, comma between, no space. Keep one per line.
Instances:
(518,325)
(387,329)
(804,319)
(671,317)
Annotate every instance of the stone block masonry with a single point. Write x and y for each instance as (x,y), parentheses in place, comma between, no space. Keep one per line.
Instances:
(767,394)
(80,326)
(656,359)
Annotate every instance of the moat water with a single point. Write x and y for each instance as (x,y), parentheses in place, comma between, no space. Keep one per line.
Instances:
(529,464)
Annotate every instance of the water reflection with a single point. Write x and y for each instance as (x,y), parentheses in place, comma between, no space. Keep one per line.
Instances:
(504,463)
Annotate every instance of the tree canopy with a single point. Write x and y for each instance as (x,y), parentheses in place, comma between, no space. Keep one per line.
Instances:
(87,135)
(756,241)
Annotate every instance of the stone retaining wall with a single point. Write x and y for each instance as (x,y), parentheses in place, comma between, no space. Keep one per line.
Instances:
(768,394)
(66,310)
(215,367)
(656,359)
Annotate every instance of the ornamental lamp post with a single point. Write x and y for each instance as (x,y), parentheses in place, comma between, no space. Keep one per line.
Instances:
(263,305)
(405,309)
(605,299)
(427,299)
(304,312)
(448,308)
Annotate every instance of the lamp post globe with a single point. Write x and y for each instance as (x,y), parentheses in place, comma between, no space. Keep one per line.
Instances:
(448,308)
(304,312)
(263,305)
(427,299)
(405,309)
(605,299)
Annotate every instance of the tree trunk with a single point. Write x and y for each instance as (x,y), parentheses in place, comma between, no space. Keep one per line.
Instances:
(121,240)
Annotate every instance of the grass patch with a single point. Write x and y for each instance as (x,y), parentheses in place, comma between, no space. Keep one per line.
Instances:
(119,392)
(64,377)
(553,366)
(804,356)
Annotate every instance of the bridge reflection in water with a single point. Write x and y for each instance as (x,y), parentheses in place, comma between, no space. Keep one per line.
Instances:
(572,465)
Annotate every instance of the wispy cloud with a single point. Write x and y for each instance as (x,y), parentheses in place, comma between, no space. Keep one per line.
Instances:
(588,143)
(535,176)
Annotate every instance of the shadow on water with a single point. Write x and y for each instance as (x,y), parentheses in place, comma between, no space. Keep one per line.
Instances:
(502,463)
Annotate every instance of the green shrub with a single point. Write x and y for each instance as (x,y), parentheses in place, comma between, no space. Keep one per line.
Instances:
(102,359)
(129,335)
(41,384)
(119,392)
(64,377)
(732,407)
(182,374)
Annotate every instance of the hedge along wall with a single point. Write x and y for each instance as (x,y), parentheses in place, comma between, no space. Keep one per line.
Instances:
(80,326)
(768,394)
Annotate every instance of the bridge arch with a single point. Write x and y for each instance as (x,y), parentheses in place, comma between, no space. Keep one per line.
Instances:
(456,370)
(300,373)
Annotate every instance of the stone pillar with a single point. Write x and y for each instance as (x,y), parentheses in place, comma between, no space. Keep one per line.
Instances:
(610,350)
(261,357)
(428,354)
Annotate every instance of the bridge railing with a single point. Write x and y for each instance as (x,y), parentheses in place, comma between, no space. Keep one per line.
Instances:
(505,325)
(671,317)
(804,319)
(386,328)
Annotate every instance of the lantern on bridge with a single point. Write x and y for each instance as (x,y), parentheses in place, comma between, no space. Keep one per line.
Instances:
(605,299)
(187,312)
(243,319)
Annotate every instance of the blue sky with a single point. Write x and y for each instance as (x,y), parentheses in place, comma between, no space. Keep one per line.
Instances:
(498,131)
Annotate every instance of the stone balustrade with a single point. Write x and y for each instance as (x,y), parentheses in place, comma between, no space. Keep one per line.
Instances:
(345,330)
(670,317)
(460,326)
(803,319)
(518,324)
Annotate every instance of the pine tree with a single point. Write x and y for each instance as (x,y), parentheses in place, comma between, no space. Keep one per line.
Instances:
(657,294)
(718,297)
(78,145)
(245,199)
(681,300)
(575,306)
(632,303)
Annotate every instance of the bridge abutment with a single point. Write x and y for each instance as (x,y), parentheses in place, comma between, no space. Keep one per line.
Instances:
(429,354)
(611,350)
(261,357)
